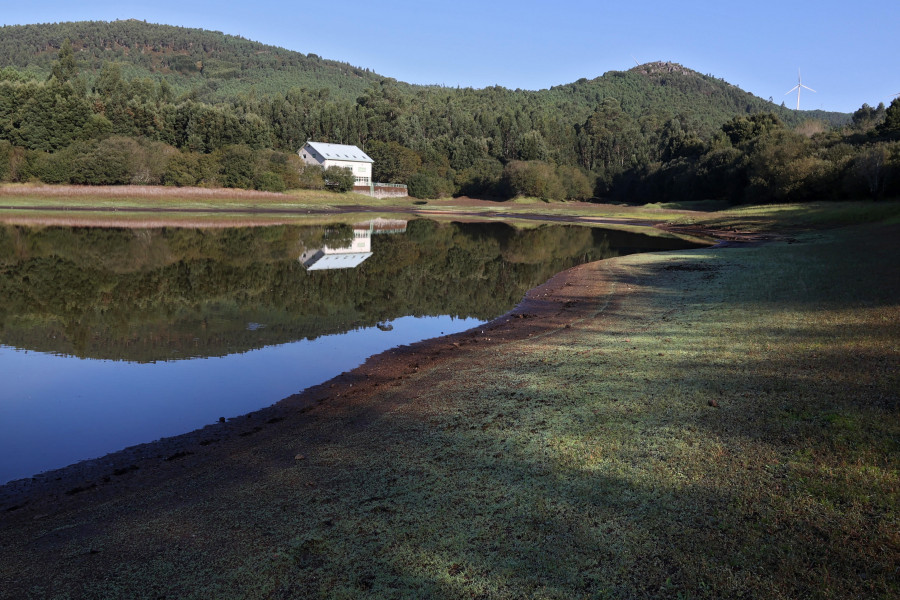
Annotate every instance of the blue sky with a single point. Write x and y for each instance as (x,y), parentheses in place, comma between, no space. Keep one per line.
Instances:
(843,49)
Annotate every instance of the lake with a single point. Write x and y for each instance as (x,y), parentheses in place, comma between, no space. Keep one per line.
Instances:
(115,337)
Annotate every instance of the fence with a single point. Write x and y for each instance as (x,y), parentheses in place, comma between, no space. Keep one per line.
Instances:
(383,190)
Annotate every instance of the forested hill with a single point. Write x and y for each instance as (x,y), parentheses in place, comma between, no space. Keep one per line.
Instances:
(214,67)
(661,87)
(130,102)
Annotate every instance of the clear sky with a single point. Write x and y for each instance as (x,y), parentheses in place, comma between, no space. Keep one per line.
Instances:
(843,49)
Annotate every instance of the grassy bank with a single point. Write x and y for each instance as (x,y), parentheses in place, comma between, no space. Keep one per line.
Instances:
(729,430)
(722,423)
(797,216)
(133,205)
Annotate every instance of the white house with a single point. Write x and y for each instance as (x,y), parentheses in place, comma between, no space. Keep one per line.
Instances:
(339,155)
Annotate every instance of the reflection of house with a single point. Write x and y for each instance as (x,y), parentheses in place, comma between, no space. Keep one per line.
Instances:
(353,255)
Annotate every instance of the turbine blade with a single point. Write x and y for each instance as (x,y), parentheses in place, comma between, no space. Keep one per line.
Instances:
(809,88)
(791,90)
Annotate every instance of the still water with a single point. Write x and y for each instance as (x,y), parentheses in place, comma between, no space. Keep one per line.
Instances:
(84,408)
(114,337)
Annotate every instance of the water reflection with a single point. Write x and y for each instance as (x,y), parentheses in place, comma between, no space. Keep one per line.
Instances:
(341,253)
(56,410)
(143,305)
(171,294)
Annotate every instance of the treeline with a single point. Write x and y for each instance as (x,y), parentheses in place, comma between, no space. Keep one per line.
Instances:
(656,132)
(757,159)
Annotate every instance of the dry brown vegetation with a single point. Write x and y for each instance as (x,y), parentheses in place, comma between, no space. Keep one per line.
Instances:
(133,191)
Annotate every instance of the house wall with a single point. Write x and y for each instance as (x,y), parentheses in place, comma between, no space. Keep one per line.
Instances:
(310,157)
(361,170)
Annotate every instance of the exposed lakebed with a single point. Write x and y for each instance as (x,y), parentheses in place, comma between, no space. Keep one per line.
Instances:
(114,337)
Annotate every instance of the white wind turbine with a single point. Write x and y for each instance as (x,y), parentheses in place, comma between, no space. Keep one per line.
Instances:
(797,87)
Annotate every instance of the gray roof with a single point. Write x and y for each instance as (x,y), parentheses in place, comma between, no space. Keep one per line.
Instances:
(343,260)
(339,152)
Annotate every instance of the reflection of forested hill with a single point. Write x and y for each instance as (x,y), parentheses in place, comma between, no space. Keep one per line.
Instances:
(165,294)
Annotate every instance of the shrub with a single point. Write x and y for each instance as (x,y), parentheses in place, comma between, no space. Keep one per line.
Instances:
(532,178)
(575,183)
(110,162)
(482,178)
(339,179)
(269,182)
(152,162)
(284,165)
(310,177)
(182,170)
(6,151)
(428,185)
(236,166)
(47,167)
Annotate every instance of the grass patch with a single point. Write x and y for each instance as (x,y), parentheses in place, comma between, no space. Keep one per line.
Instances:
(787,217)
(694,205)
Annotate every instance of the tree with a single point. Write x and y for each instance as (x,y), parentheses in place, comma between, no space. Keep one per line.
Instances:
(891,123)
(866,117)
(428,185)
(394,163)
(532,178)
(532,146)
(781,166)
(609,139)
(870,166)
(236,164)
(744,129)
(311,177)
(339,179)
(65,68)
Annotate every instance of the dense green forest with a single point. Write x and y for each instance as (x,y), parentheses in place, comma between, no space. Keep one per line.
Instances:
(132,102)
